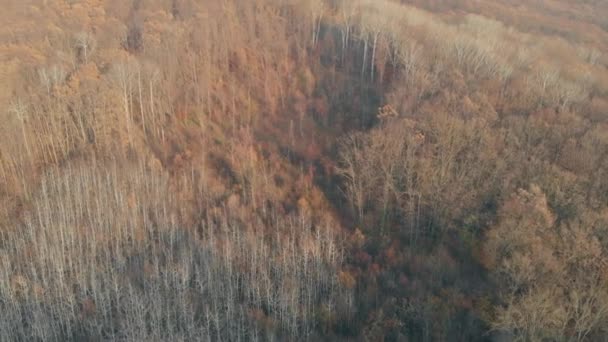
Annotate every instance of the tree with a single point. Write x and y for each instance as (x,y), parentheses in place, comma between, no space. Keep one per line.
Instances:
(19,109)
(50,77)
(348,10)
(550,272)
(123,74)
(85,45)
(134,41)
(317,10)
(356,170)
(373,25)
(410,57)
(544,81)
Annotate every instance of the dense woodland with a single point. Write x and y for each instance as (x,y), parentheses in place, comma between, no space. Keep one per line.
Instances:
(303,170)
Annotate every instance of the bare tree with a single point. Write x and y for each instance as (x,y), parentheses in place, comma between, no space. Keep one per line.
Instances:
(348,11)
(374,23)
(589,55)
(19,109)
(124,76)
(355,171)
(85,44)
(544,80)
(410,54)
(317,10)
(50,77)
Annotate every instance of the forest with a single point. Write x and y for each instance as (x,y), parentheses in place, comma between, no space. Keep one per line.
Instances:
(304,170)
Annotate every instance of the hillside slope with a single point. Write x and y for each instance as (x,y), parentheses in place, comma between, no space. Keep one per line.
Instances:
(303,170)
